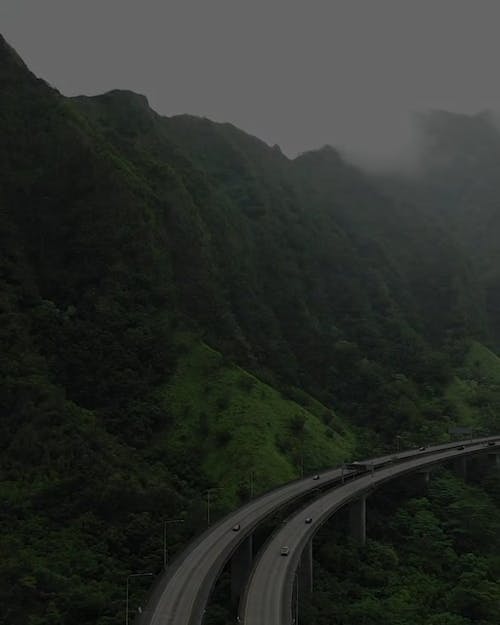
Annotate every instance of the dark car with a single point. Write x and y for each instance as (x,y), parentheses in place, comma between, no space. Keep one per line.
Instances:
(316,477)
(236,528)
(461,447)
(308,519)
(359,467)
(490,443)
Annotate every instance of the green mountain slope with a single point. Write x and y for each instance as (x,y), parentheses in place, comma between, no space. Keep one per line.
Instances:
(92,376)
(474,392)
(181,308)
(243,430)
(457,182)
(303,256)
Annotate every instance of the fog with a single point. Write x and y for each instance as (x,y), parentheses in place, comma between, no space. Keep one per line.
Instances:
(294,73)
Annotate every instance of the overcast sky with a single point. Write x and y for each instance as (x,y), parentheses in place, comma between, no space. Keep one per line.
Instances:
(300,73)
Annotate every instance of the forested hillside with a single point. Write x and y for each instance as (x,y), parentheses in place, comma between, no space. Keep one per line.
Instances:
(302,270)
(431,559)
(182,307)
(457,181)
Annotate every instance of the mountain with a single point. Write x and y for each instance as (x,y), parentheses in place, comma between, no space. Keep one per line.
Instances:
(302,255)
(457,182)
(181,305)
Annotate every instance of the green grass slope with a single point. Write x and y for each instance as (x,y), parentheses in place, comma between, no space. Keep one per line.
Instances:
(242,429)
(474,393)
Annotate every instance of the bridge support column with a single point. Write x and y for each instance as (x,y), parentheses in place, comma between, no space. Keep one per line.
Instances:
(460,466)
(306,569)
(241,563)
(297,589)
(357,520)
(425,477)
(494,460)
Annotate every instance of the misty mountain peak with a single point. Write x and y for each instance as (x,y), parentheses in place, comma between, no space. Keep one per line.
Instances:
(324,156)
(8,56)
(120,98)
(130,97)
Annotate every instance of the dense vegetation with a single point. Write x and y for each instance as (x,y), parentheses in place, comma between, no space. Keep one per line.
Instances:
(458,183)
(183,307)
(432,558)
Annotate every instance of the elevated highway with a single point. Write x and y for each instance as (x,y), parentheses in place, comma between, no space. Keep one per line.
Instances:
(181,594)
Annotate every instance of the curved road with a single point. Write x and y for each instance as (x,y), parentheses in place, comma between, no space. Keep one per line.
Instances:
(181,594)
(269,591)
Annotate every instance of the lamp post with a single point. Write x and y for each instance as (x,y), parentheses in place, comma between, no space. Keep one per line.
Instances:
(128,578)
(208,492)
(342,469)
(165,551)
(297,600)
(398,443)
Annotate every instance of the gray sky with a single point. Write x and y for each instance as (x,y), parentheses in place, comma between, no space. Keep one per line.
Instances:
(297,73)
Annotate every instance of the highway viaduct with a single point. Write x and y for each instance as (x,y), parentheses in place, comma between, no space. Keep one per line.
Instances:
(181,594)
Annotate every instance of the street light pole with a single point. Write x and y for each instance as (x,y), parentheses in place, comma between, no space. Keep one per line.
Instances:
(128,578)
(208,491)
(398,441)
(165,550)
(208,506)
(297,600)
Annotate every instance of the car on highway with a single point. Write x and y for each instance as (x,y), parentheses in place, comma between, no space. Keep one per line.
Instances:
(359,467)
(423,448)
(316,477)
(460,447)
(284,551)
(308,519)
(490,443)
(237,527)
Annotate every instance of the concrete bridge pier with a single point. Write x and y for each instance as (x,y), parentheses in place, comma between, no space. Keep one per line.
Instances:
(494,460)
(241,563)
(460,467)
(306,569)
(424,477)
(357,520)
(297,589)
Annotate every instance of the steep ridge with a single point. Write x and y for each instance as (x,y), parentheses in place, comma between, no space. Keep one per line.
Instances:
(314,269)
(94,263)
